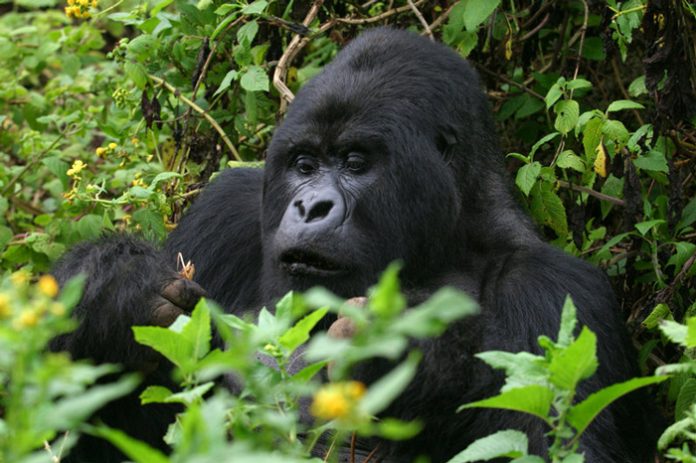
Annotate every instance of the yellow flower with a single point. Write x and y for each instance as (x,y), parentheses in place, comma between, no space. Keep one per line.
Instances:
(113,146)
(57,309)
(48,286)
(338,400)
(135,141)
(26,319)
(94,3)
(71,2)
(19,278)
(5,309)
(77,167)
(100,151)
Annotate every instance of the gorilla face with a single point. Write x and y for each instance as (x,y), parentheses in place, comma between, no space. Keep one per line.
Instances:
(355,179)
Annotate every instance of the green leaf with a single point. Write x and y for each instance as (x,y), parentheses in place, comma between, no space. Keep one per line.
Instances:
(576,362)
(247,33)
(137,73)
(385,299)
(151,222)
(89,226)
(620,105)
(678,429)
(155,394)
(659,313)
(644,227)
(548,208)
(654,161)
(197,331)
(393,429)
(685,399)
(299,333)
(543,140)
(382,393)
(554,93)
(567,114)
(568,323)
(615,130)
(569,160)
(134,449)
(675,332)
(582,414)
(527,176)
(691,332)
(477,11)
(226,81)
(256,7)
(508,443)
(578,84)
(521,368)
(432,317)
(637,87)
(73,410)
(534,399)
(255,79)
(174,346)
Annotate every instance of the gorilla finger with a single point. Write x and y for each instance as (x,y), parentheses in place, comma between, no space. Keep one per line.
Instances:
(165,313)
(183,293)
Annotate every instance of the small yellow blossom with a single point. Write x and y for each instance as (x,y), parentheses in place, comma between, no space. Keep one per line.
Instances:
(126,219)
(100,151)
(77,167)
(135,141)
(94,3)
(48,286)
(113,146)
(5,309)
(337,400)
(19,278)
(26,319)
(57,309)
(71,2)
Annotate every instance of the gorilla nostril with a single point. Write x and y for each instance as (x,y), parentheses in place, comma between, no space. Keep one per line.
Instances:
(300,207)
(319,211)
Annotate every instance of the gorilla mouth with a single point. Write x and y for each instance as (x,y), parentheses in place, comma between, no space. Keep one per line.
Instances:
(298,262)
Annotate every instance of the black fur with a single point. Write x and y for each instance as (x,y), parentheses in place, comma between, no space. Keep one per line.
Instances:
(390,153)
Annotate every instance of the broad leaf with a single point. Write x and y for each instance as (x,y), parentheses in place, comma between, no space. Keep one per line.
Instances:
(535,400)
(508,443)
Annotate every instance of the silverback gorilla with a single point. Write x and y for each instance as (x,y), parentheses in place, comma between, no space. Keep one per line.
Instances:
(390,153)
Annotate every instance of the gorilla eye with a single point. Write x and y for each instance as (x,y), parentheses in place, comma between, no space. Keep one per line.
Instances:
(356,163)
(305,164)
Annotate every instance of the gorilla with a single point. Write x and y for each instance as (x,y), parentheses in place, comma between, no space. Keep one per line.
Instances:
(390,153)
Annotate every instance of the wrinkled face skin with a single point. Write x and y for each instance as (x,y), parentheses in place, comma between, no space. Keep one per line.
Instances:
(353,183)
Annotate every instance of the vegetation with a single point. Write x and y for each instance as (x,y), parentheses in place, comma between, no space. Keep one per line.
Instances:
(115,113)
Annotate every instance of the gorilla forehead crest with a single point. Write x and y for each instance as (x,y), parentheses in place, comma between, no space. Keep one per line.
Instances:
(387,74)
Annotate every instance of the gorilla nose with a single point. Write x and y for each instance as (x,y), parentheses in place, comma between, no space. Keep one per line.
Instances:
(315,212)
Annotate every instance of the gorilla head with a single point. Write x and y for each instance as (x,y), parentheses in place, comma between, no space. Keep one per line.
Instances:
(374,162)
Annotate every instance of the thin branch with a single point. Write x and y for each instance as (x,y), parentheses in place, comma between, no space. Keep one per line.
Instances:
(583,30)
(610,199)
(440,19)
(200,111)
(422,20)
(511,82)
(296,44)
(536,29)
(379,17)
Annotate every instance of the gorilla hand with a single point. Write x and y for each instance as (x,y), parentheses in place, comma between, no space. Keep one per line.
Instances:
(128,284)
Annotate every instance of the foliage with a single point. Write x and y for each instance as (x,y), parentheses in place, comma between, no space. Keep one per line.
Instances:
(115,113)
(545,386)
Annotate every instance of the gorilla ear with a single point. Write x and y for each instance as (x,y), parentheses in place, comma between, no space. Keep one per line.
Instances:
(445,140)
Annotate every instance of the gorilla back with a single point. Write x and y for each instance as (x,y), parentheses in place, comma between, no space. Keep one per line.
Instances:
(390,153)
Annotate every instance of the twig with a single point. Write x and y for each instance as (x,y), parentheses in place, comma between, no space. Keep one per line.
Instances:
(591,192)
(511,82)
(536,29)
(440,19)
(422,20)
(200,111)
(379,17)
(296,44)
(583,30)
